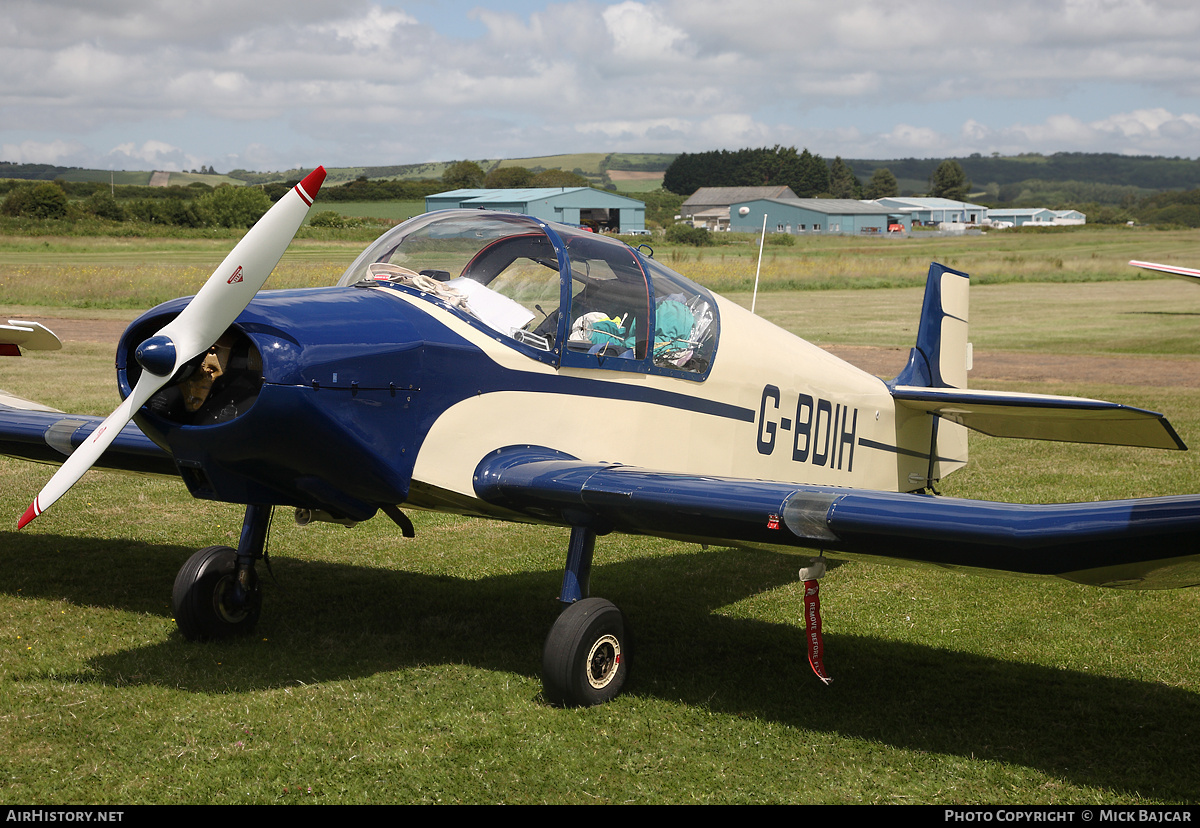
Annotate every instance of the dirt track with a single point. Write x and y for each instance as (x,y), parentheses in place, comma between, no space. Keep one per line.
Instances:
(884,362)
(1022,367)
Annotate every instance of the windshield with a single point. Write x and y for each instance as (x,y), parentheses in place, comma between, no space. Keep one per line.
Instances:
(506,271)
(500,268)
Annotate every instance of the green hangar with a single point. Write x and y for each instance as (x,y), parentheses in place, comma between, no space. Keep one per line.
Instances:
(582,206)
(813,215)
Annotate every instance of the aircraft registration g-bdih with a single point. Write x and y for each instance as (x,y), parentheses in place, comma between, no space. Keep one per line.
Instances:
(492,364)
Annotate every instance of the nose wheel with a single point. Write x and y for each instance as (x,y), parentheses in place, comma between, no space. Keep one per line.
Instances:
(217,594)
(212,599)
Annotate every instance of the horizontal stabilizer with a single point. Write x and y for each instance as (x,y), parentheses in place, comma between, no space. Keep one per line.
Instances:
(33,336)
(1043,417)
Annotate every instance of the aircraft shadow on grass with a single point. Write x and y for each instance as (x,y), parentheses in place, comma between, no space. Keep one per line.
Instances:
(1109,732)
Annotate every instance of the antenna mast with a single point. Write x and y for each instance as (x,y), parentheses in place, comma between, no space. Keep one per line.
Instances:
(763,238)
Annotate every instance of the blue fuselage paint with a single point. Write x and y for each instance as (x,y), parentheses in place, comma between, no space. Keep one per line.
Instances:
(352,382)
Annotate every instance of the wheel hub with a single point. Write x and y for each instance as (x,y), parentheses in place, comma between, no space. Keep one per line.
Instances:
(603,660)
(225,602)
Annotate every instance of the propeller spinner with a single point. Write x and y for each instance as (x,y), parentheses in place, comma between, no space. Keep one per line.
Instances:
(222,298)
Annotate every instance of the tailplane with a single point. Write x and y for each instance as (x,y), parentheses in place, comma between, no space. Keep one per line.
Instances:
(934,382)
(33,336)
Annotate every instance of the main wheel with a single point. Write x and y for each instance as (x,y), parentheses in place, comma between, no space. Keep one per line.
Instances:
(203,597)
(586,658)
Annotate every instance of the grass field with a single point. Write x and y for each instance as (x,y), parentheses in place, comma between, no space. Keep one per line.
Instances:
(391,210)
(589,163)
(90,271)
(393,671)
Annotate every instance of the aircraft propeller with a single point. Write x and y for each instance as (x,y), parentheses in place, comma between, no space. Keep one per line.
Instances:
(222,298)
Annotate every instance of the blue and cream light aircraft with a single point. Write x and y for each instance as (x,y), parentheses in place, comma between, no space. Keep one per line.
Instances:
(498,365)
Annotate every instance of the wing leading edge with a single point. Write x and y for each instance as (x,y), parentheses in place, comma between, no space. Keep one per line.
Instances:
(50,436)
(1145,543)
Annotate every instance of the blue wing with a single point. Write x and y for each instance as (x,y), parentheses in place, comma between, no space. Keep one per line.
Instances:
(47,436)
(1145,543)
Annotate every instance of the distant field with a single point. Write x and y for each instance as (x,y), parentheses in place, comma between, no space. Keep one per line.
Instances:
(658,161)
(135,177)
(628,181)
(182,179)
(588,162)
(823,262)
(393,210)
(631,175)
(634,187)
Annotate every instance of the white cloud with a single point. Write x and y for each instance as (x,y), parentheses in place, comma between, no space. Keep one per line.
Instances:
(1147,122)
(374,31)
(1142,131)
(375,81)
(640,33)
(907,139)
(36,152)
(156,155)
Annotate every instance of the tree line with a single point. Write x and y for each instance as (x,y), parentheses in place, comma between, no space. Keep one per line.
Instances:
(810,176)
(199,205)
(191,206)
(1142,171)
(807,174)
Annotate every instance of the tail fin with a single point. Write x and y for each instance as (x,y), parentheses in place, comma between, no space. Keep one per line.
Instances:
(941,359)
(942,356)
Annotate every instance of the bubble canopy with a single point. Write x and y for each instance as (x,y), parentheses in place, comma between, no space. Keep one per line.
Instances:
(558,293)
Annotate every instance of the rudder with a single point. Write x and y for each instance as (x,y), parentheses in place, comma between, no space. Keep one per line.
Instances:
(942,355)
(941,359)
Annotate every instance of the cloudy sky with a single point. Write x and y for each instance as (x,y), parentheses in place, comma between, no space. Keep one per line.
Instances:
(276,84)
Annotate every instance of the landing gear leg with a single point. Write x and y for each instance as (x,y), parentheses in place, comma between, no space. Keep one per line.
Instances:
(216,593)
(586,658)
(577,579)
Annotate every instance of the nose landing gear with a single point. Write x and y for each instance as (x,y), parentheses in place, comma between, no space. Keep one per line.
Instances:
(209,600)
(217,593)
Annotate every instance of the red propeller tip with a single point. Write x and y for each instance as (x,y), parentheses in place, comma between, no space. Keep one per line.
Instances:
(311,185)
(29,515)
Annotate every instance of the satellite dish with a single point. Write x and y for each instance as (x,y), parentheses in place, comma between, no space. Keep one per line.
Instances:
(743,211)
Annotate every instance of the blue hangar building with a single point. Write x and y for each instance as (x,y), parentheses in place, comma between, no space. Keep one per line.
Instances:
(813,215)
(581,206)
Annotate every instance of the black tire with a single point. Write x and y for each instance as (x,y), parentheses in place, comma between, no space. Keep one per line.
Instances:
(201,597)
(586,658)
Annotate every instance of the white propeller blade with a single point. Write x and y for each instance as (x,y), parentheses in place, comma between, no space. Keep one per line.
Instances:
(225,295)
(1174,270)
